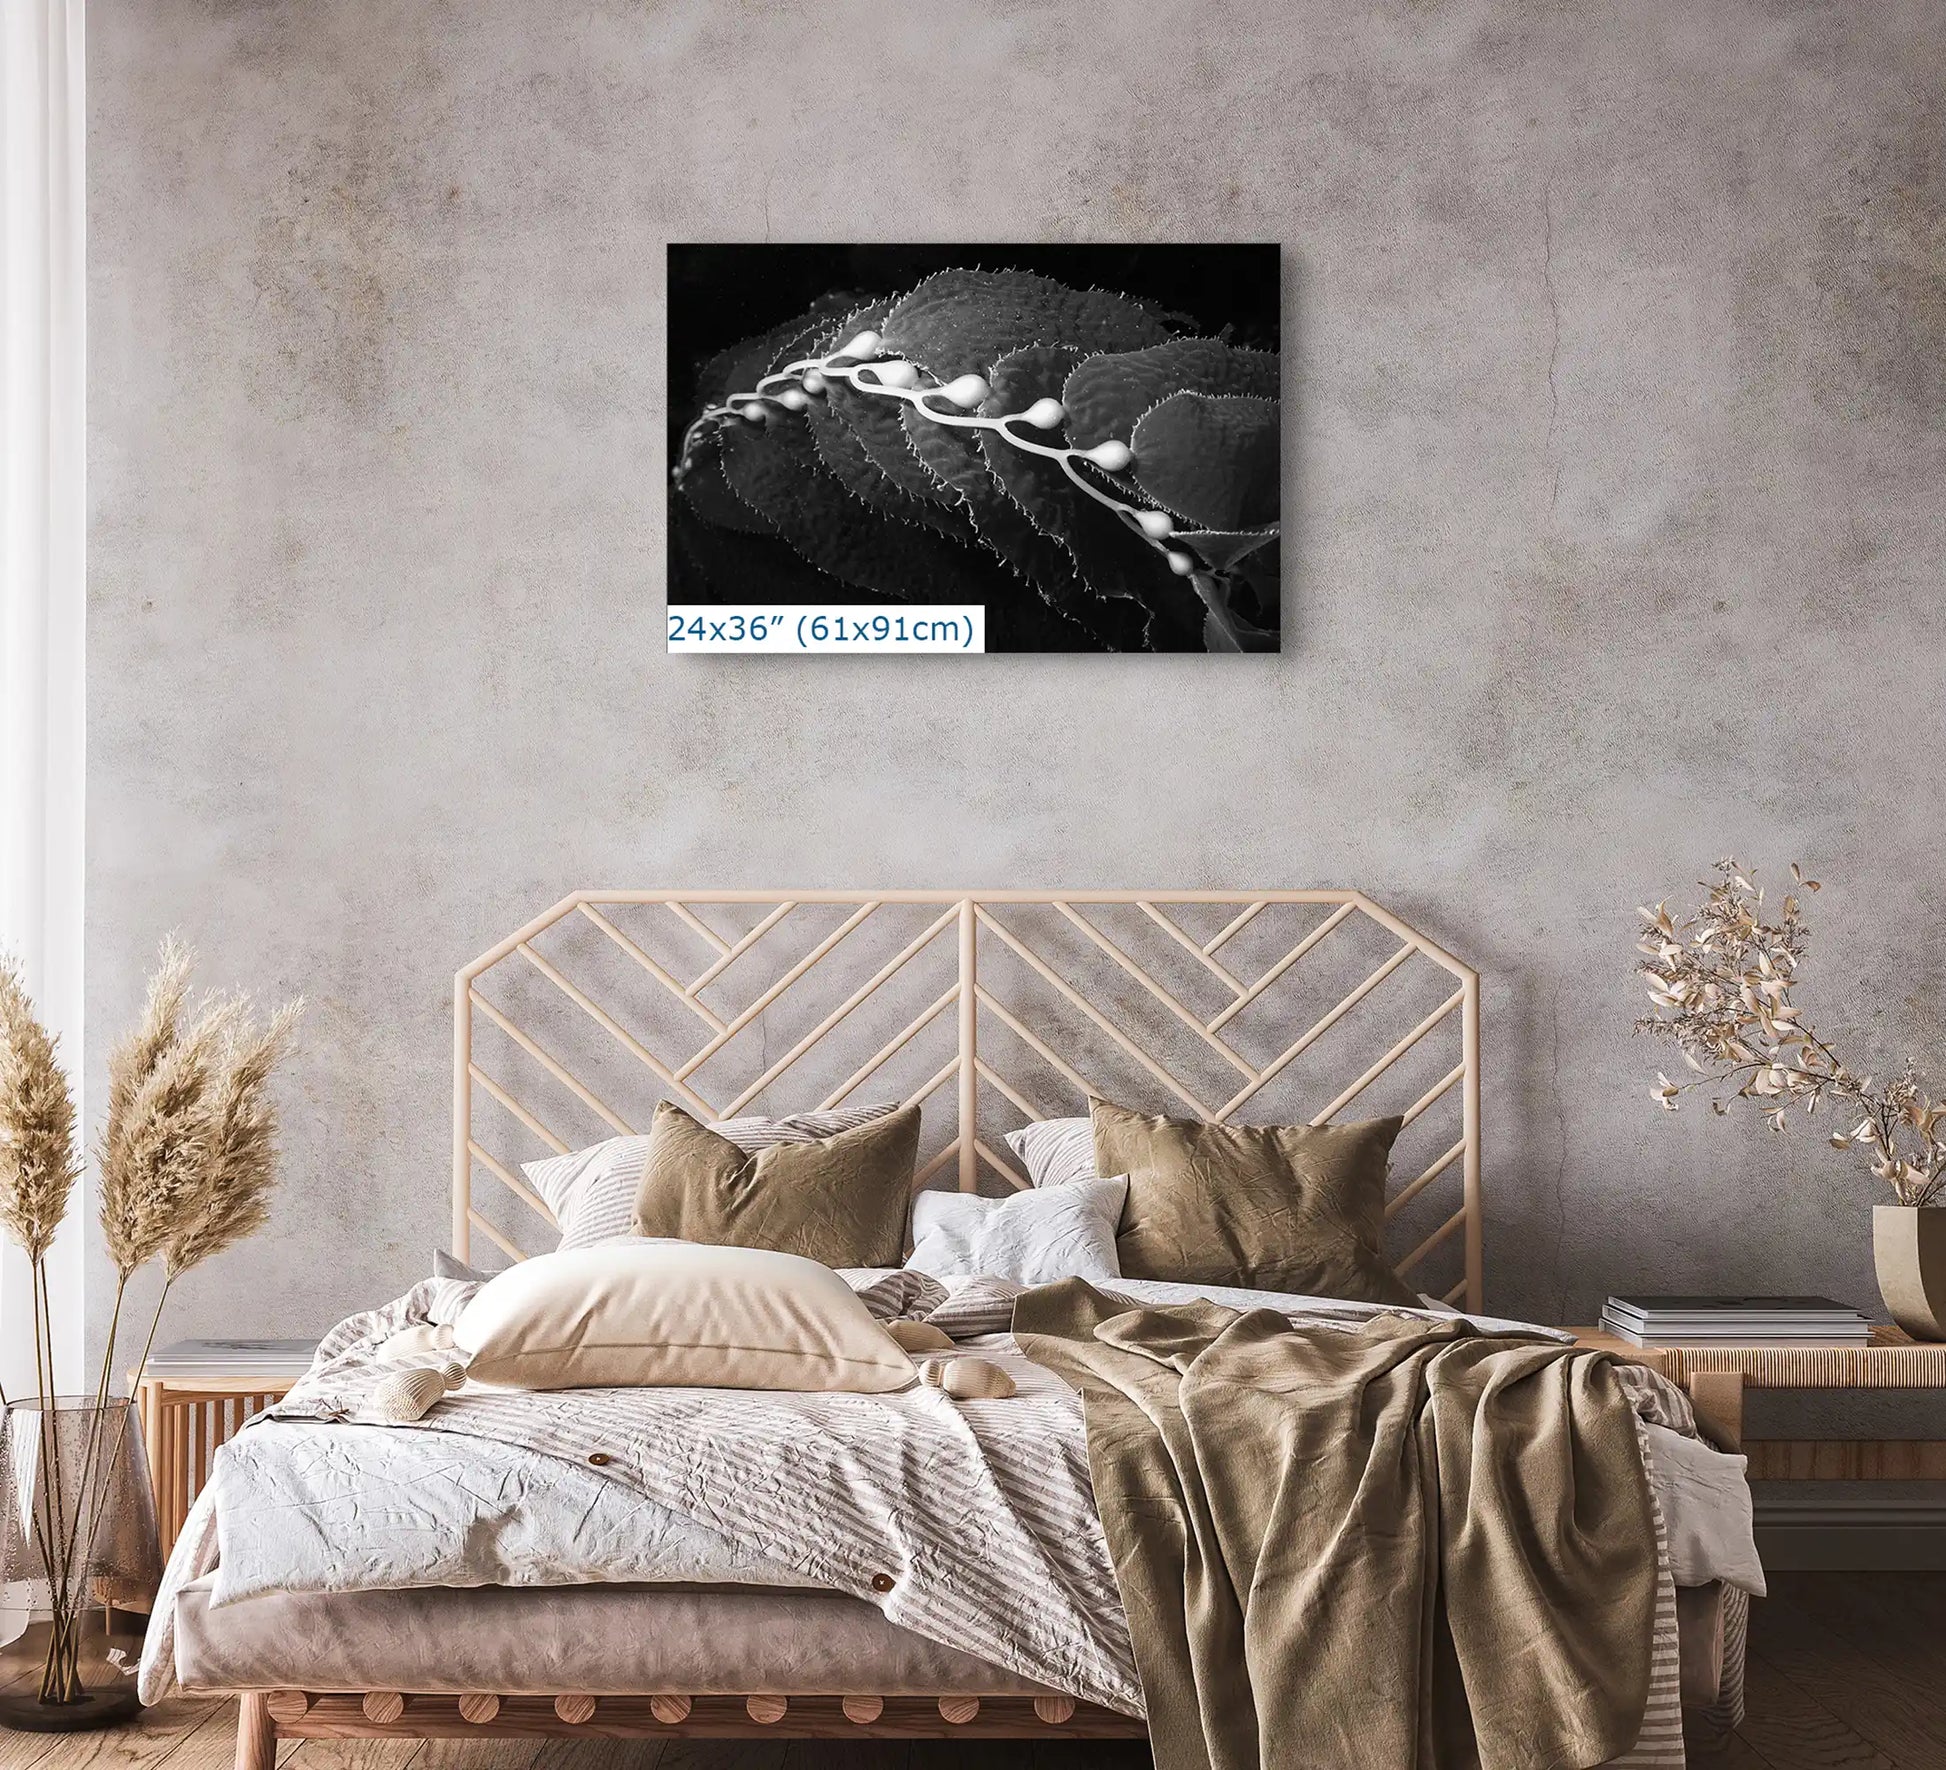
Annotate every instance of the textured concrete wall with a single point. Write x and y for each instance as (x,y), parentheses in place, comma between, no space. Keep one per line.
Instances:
(1618,381)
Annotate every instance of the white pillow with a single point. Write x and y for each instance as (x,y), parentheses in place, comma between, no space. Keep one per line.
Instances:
(592,1191)
(1706,1506)
(1056,1152)
(675,1315)
(445,1265)
(1030,1238)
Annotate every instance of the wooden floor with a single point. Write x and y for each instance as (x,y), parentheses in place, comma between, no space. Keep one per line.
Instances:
(1847,1672)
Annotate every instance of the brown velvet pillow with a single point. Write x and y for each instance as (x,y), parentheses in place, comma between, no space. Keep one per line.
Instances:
(841,1200)
(1268,1207)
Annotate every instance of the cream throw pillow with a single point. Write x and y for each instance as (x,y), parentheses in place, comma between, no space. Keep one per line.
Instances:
(675,1316)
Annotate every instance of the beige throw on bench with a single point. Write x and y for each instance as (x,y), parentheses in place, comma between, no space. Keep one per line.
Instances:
(1405,1547)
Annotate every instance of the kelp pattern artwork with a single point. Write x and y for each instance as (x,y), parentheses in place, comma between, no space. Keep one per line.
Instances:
(1121,468)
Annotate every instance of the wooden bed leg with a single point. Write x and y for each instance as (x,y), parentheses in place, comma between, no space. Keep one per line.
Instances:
(1717,1397)
(256,1733)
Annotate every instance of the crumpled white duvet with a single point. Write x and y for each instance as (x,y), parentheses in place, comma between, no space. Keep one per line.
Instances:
(306,1508)
(303,1507)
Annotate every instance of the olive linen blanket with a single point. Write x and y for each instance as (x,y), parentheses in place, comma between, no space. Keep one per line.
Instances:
(1410,1546)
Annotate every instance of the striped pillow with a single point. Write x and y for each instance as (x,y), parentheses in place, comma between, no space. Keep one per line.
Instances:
(592,1191)
(1056,1152)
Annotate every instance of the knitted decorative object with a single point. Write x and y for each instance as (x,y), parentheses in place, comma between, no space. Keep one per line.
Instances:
(416,1341)
(968,1379)
(410,1395)
(919,1336)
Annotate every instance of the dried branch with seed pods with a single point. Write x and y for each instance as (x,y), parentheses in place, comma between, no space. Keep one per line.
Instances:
(1721,984)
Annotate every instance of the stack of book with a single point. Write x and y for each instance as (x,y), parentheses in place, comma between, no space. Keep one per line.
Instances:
(1734,1321)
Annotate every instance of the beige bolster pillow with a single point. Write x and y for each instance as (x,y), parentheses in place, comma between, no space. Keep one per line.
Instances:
(919,1336)
(677,1315)
(968,1379)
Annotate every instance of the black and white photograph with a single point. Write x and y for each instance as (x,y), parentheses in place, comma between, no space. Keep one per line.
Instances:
(1082,443)
(1337,1162)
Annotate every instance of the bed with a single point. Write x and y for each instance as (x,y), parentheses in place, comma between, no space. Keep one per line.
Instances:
(987,1008)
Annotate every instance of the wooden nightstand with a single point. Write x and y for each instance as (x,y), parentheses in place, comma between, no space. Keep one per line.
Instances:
(1716,1377)
(192,1397)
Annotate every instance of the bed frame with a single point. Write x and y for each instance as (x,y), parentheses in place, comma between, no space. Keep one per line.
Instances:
(1205,1002)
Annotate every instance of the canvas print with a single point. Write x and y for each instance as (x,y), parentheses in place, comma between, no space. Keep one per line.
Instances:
(977,448)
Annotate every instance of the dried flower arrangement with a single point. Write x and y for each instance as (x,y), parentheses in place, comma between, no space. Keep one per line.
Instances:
(185,1163)
(1721,985)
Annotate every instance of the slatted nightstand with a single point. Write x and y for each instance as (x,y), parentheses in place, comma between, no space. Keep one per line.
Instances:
(194,1395)
(1716,1377)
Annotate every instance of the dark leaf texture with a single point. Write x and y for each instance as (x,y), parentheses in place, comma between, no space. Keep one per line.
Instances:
(844,457)
(1107,395)
(964,322)
(1220,549)
(874,421)
(1128,583)
(738,369)
(762,567)
(961,322)
(953,459)
(774,469)
(1211,458)
(710,496)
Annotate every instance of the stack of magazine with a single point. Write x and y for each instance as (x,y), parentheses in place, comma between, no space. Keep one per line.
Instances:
(269,1361)
(1734,1321)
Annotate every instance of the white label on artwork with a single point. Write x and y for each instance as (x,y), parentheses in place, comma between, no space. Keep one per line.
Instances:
(826,627)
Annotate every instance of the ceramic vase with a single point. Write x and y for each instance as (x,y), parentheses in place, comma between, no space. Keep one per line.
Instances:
(1909,1244)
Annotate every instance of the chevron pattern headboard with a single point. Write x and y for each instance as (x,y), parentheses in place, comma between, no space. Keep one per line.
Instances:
(992,1008)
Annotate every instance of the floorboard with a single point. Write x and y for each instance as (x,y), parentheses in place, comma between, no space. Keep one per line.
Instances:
(141,1745)
(1898,1619)
(578,1754)
(354,1754)
(837,1754)
(1792,1730)
(489,1754)
(1865,1691)
(1847,1672)
(1734,1753)
(715,1754)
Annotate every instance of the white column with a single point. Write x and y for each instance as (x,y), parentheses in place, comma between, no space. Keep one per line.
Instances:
(43,598)
(43,591)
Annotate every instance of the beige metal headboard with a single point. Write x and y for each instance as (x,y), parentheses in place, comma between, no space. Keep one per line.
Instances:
(1197,1001)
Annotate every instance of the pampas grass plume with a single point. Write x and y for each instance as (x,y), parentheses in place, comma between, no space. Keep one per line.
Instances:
(37,1165)
(241,1165)
(187,1156)
(154,1155)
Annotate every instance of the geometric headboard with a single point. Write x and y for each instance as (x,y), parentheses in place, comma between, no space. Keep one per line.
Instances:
(991,1008)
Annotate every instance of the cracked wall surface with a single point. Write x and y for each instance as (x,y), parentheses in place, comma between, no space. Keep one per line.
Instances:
(1617,433)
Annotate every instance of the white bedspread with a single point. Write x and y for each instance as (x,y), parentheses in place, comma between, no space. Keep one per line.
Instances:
(309,1506)
(354,1508)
